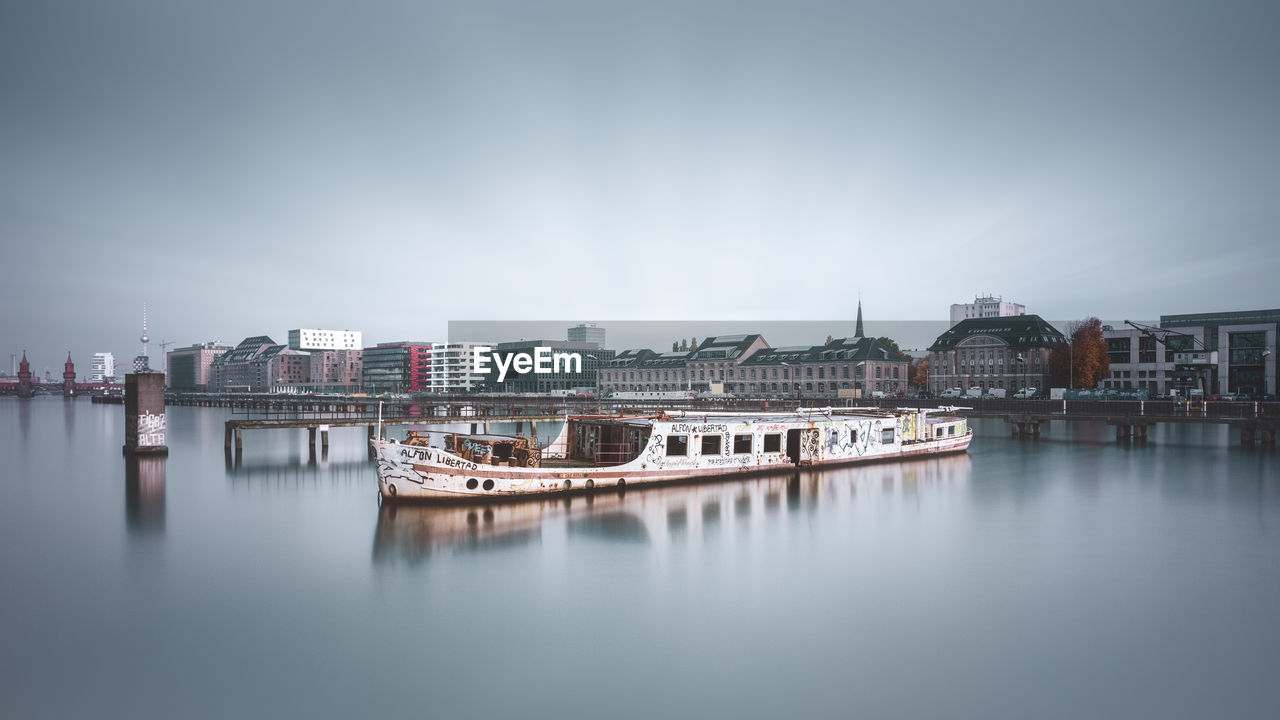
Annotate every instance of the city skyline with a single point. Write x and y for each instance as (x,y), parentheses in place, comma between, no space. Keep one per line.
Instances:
(395,167)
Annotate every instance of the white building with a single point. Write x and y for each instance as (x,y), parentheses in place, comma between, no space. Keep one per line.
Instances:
(103,368)
(985,307)
(452,367)
(315,339)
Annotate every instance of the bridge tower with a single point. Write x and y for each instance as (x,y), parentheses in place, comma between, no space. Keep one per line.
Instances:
(69,377)
(24,377)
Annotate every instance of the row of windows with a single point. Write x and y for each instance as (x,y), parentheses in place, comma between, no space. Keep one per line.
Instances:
(678,445)
(760,387)
(823,372)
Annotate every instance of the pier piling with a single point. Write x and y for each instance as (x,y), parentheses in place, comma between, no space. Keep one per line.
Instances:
(144,414)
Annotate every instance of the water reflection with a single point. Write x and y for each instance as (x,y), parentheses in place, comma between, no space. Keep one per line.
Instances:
(265,471)
(24,419)
(657,517)
(144,485)
(69,416)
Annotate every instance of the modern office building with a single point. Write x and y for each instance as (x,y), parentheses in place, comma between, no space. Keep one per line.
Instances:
(985,307)
(189,366)
(397,367)
(1232,352)
(587,333)
(1009,353)
(451,367)
(564,378)
(336,371)
(288,371)
(315,339)
(102,368)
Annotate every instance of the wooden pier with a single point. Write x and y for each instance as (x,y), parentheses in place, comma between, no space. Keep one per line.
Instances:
(233,433)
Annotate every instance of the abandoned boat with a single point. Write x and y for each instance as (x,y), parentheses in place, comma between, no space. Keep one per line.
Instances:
(626,452)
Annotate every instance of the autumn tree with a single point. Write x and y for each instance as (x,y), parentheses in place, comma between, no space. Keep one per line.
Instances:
(684,345)
(920,374)
(829,339)
(693,344)
(1085,362)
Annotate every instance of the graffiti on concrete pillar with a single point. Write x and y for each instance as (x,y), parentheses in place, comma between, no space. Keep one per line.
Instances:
(150,429)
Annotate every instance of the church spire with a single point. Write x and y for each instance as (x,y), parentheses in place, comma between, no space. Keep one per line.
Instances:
(857,331)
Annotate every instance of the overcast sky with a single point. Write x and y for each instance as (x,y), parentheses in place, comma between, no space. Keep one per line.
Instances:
(246,168)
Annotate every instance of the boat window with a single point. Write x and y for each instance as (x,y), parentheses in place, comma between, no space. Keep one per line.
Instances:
(710,444)
(886,436)
(951,430)
(677,445)
(741,444)
(773,443)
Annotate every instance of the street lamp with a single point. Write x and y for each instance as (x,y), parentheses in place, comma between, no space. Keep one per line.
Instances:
(1071,364)
(593,357)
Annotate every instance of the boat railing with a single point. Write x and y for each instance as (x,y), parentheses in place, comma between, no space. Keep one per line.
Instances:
(617,453)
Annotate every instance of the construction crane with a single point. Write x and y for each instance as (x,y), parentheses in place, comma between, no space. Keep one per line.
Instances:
(1191,358)
(164,345)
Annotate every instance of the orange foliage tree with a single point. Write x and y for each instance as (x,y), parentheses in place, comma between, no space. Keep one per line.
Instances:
(1085,363)
(920,374)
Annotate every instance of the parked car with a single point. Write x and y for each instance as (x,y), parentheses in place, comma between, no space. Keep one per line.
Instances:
(951,393)
(924,394)
(1025,393)
(878,394)
(995,393)
(973,393)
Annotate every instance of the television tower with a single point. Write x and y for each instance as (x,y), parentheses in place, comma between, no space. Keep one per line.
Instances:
(142,363)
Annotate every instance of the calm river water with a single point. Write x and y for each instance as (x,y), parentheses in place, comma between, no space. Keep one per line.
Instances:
(1066,577)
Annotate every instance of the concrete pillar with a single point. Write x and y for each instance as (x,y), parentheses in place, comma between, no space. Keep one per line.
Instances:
(1246,437)
(226,436)
(144,415)
(1122,432)
(239,441)
(324,437)
(311,438)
